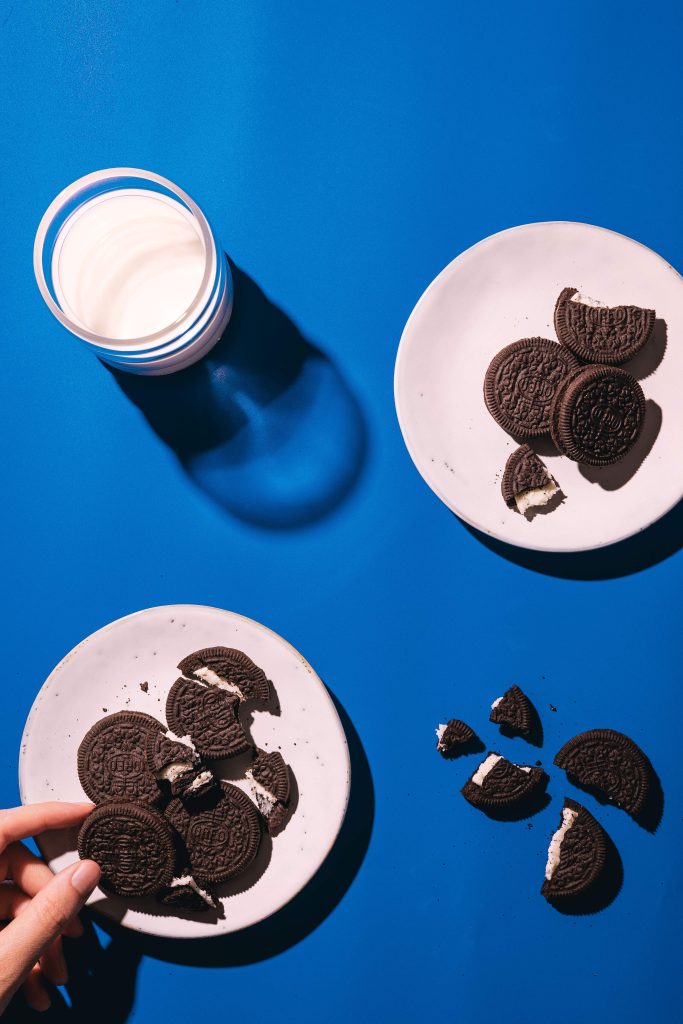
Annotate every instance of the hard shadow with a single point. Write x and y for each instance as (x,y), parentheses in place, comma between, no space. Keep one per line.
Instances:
(471,746)
(650,814)
(649,357)
(306,911)
(611,478)
(645,549)
(534,734)
(601,893)
(530,805)
(265,424)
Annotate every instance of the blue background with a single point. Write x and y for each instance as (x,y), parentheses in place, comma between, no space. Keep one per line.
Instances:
(345,153)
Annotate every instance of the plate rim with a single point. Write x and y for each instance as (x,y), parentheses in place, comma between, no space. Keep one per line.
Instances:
(21,768)
(402,419)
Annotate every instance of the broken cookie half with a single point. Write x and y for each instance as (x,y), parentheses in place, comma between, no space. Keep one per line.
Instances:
(527,484)
(576,855)
(229,669)
(498,783)
(453,738)
(177,765)
(270,783)
(185,891)
(515,711)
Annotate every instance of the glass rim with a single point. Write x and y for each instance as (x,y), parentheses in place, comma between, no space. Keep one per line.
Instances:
(95,177)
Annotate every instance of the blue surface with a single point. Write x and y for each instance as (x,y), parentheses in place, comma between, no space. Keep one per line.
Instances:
(345,153)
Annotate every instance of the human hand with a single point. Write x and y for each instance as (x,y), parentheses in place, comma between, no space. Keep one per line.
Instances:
(39,906)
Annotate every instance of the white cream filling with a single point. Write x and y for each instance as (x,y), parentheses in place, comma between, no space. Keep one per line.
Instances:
(568,817)
(200,781)
(490,762)
(536,497)
(496,703)
(440,730)
(174,770)
(189,880)
(207,675)
(185,740)
(588,301)
(265,800)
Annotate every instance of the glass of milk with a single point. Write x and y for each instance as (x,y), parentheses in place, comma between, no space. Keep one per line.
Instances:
(128,263)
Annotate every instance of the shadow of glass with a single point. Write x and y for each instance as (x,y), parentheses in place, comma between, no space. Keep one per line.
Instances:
(265,424)
(306,911)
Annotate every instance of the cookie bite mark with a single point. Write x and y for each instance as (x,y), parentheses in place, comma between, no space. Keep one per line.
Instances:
(229,669)
(598,333)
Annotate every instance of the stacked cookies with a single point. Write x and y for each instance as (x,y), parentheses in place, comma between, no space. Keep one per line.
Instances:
(165,825)
(594,413)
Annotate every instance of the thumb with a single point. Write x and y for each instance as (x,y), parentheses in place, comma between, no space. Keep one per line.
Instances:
(24,939)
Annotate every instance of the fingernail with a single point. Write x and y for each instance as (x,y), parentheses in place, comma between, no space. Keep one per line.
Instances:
(85,877)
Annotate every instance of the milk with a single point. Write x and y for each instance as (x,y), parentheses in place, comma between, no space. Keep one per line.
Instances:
(128,263)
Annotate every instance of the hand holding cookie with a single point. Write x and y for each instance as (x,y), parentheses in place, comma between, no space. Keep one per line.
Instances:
(39,907)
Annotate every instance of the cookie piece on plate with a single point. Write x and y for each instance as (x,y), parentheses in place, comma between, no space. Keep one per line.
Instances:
(229,669)
(515,711)
(609,765)
(221,836)
(597,415)
(521,382)
(270,786)
(133,845)
(112,758)
(177,765)
(527,483)
(576,855)
(498,783)
(601,334)
(209,715)
(185,892)
(453,738)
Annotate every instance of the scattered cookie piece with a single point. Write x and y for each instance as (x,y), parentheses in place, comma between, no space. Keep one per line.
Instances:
(576,855)
(452,737)
(498,783)
(133,845)
(597,415)
(112,760)
(221,837)
(144,687)
(515,711)
(610,765)
(177,765)
(229,669)
(208,714)
(601,334)
(185,892)
(527,483)
(520,384)
(270,786)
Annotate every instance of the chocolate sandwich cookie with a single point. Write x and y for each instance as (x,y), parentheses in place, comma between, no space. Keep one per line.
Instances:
(521,382)
(230,669)
(576,855)
(209,716)
(453,737)
(221,836)
(177,766)
(186,893)
(133,845)
(112,758)
(515,711)
(610,765)
(270,785)
(601,334)
(597,415)
(526,482)
(497,783)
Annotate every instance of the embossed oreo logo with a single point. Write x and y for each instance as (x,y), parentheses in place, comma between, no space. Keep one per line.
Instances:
(207,833)
(123,766)
(532,385)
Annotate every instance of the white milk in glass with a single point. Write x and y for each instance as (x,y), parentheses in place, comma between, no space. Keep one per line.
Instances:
(128,263)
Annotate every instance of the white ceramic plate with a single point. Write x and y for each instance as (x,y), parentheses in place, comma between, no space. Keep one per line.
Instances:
(105,672)
(502,289)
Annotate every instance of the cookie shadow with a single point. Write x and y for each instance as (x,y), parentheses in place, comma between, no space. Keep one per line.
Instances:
(535,734)
(308,909)
(601,893)
(531,805)
(265,424)
(611,478)
(557,499)
(650,814)
(473,746)
(649,357)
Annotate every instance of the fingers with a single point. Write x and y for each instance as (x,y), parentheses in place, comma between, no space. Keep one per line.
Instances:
(22,822)
(25,939)
(31,875)
(53,963)
(35,992)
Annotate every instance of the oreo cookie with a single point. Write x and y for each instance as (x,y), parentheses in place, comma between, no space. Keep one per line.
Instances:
(112,758)
(526,483)
(133,845)
(515,711)
(186,893)
(177,766)
(453,738)
(221,836)
(597,415)
(497,783)
(601,334)
(209,715)
(521,382)
(229,669)
(609,765)
(576,855)
(270,786)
